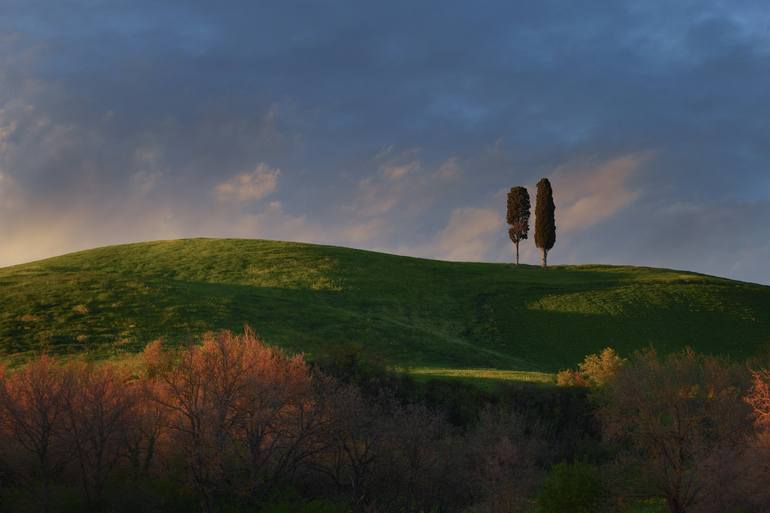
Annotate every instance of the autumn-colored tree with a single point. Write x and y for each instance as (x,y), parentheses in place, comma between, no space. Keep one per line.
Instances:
(759,398)
(282,416)
(518,216)
(598,369)
(545,220)
(675,419)
(33,403)
(100,410)
(594,371)
(145,432)
(243,414)
(198,387)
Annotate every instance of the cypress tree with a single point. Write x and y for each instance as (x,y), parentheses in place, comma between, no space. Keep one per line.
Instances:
(545,219)
(518,216)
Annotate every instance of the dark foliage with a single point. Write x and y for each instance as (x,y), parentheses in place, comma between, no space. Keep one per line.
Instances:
(563,418)
(679,423)
(545,219)
(575,487)
(518,216)
(350,364)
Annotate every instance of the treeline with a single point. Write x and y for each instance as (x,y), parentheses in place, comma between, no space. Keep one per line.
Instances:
(232,425)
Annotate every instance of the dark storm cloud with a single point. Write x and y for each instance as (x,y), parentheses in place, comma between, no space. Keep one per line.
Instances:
(394,125)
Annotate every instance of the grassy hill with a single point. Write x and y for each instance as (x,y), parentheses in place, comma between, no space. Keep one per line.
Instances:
(413,312)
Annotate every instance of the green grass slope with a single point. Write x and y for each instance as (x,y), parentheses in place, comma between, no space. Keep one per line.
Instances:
(413,312)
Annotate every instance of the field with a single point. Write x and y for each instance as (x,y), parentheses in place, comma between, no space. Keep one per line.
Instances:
(433,317)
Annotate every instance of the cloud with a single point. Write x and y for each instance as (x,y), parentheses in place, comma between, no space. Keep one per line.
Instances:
(364,232)
(713,237)
(10,191)
(585,196)
(139,218)
(403,186)
(449,170)
(47,232)
(397,172)
(375,198)
(145,181)
(470,234)
(6,130)
(398,175)
(270,223)
(248,187)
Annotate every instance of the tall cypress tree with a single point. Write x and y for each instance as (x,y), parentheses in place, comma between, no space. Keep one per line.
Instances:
(545,219)
(518,216)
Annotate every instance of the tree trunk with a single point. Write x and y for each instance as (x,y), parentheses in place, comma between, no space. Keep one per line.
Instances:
(517,253)
(674,506)
(545,258)
(207,502)
(44,492)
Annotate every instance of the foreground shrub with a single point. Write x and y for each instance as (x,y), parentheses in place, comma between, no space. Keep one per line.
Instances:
(293,503)
(574,487)
(570,378)
(501,458)
(562,418)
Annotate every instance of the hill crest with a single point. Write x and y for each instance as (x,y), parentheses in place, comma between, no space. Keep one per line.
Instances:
(410,311)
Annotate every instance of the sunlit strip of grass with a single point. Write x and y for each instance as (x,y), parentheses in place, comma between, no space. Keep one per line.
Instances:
(484,374)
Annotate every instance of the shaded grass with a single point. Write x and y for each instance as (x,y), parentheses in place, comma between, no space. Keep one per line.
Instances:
(410,312)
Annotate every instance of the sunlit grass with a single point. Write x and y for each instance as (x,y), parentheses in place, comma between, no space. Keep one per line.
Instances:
(485,374)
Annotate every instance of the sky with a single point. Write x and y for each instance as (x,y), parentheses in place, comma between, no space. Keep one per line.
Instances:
(396,126)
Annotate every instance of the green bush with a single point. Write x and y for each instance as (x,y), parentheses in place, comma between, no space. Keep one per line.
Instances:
(647,506)
(300,506)
(574,487)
